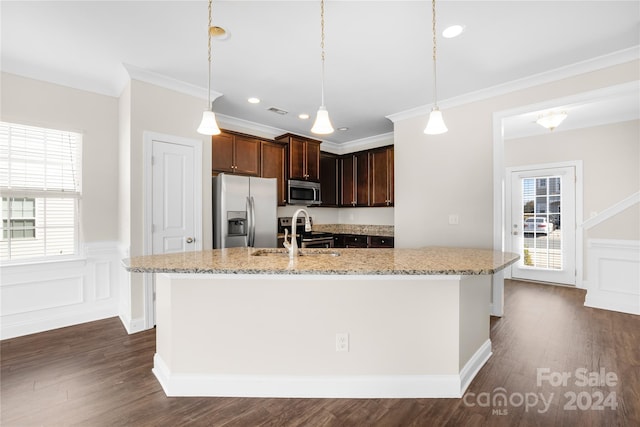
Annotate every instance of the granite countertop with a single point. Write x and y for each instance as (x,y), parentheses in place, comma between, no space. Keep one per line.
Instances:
(370,230)
(423,261)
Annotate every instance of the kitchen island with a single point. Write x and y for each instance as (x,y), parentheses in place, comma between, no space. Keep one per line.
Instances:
(330,323)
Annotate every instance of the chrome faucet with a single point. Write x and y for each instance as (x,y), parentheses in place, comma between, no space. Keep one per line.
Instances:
(292,246)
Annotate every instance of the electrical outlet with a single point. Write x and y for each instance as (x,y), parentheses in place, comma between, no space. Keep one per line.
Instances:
(454,219)
(342,341)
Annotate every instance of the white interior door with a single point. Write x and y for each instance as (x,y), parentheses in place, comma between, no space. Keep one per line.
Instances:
(172,202)
(173,211)
(543,224)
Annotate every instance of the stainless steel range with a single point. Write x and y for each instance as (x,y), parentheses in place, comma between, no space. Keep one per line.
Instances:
(312,239)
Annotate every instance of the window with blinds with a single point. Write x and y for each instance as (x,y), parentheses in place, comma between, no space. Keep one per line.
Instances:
(40,182)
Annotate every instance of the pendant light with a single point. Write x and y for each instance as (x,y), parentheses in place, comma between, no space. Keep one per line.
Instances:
(208,125)
(322,125)
(435,125)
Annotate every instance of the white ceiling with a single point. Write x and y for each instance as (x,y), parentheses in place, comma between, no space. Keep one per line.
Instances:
(378,53)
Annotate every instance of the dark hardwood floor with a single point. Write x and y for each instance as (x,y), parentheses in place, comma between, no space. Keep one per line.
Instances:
(97,375)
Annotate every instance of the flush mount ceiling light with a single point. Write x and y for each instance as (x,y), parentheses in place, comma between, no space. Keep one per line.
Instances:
(435,125)
(551,120)
(208,125)
(303,116)
(322,125)
(253,100)
(452,31)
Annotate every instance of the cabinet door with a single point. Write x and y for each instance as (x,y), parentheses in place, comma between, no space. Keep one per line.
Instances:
(362,179)
(222,153)
(312,161)
(355,241)
(247,156)
(272,165)
(380,177)
(296,158)
(329,179)
(390,174)
(380,242)
(347,181)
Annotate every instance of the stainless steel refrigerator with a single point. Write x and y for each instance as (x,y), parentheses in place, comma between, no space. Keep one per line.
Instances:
(244,211)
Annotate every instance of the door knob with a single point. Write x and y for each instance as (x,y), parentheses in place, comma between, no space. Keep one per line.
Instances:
(190,239)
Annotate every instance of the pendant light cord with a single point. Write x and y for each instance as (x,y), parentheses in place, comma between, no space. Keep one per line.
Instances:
(435,78)
(322,46)
(209,105)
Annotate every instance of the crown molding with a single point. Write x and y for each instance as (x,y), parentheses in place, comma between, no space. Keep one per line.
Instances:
(161,80)
(360,144)
(594,64)
(241,125)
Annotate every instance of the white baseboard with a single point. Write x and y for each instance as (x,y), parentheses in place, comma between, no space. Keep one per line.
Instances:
(357,386)
(473,366)
(33,325)
(132,325)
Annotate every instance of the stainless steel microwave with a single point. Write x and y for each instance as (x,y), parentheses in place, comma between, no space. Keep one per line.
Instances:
(303,192)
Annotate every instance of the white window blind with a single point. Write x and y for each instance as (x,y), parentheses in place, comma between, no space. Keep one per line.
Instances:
(39,174)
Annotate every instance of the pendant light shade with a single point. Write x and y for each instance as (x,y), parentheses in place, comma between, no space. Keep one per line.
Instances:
(435,125)
(208,125)
(322,125)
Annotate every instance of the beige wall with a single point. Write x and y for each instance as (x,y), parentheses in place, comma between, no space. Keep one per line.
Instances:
(37,103)
(453,173)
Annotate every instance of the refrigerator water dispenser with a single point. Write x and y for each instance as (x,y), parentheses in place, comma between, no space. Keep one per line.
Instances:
(237,223)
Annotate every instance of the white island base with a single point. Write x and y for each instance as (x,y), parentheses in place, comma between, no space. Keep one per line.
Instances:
(270,335)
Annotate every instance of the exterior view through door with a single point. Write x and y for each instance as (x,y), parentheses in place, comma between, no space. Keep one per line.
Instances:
(543,224)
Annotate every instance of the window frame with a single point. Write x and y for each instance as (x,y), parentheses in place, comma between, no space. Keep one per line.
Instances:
(24,192)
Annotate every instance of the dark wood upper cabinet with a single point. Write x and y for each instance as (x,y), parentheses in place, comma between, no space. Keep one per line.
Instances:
(362,179)
(222,153)
(347,181)
(381,182)
(329,179)
(366,178)
(303,156)
(235,153)
(273,165)
(354,179)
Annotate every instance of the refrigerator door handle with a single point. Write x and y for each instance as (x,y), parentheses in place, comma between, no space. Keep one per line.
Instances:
(251,215)
(249,221)
(253,222)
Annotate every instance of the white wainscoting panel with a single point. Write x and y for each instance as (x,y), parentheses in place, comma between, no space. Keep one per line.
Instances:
(613,273)
(37,297)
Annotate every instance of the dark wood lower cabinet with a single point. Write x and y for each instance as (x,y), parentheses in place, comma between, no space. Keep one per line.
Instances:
(361,241)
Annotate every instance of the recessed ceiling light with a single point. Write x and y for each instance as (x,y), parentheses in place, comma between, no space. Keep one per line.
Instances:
(452,31)
(303,116)
(254,100)
(343,128)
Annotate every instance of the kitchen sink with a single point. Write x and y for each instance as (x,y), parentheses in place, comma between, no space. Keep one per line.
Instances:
(301,252)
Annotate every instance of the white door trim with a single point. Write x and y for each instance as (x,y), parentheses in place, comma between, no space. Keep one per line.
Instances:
(579,250)
(148,139)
